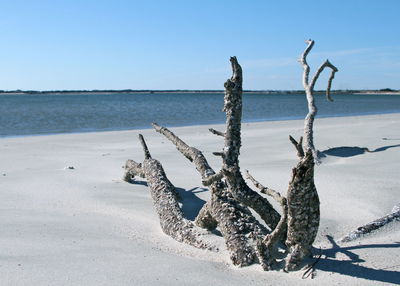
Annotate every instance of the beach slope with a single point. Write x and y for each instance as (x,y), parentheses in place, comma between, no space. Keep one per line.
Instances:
(67,218)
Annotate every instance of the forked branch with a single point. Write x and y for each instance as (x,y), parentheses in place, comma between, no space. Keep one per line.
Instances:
(309,89)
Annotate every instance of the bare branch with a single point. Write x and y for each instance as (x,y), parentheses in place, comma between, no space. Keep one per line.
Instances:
(265,190)
(145,149)
(271,239)
(191,153)
(216,132)
(219,154)
(309,89)
(374,225)
(303,61)
(212,179)
(331,77)
(298,146)
(326,64)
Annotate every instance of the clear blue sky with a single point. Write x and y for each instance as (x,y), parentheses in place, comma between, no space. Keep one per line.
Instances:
(171,44)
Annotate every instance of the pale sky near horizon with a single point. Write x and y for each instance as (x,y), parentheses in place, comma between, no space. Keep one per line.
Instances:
(172,44)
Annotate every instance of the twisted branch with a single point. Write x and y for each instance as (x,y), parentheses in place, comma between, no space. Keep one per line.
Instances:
(309,89)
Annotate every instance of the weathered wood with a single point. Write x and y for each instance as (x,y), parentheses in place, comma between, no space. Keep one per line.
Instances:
(230,159)
(374,225)
(132,169)
(205,219)
(216,132)
(303,212)
(298,146)
(279,232)
(309,89)
(240,229)
(164,196)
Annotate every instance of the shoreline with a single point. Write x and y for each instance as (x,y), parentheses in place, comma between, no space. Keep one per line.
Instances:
(189,125)
(182,91)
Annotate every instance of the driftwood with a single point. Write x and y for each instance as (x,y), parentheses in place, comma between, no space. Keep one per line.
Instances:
(270,240)
(230,155)
(239,228)
(164,196)
(303,212)
(228,209)
(309,89)
(302,197)
(374,225)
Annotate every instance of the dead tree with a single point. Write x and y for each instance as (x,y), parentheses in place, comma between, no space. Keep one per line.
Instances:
(302,197)
(309,89)
(231,198)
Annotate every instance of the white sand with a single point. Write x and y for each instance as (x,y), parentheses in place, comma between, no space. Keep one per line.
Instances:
(87,227)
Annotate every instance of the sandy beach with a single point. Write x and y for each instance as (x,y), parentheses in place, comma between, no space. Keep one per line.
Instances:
(85,226)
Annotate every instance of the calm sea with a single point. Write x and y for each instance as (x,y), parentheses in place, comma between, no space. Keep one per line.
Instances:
(68,113)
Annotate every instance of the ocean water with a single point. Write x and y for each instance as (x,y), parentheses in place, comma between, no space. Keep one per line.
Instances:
(68,113)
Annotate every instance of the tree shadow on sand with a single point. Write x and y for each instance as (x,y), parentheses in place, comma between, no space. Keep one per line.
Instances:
(347,151)
(191,203)
(351,267)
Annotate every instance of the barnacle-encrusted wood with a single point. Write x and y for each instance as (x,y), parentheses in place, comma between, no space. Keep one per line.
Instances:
(164,197)
(230,158)
(309,89)
(132,170)
(303,212)
(228,209)
(374,225)
(239,228)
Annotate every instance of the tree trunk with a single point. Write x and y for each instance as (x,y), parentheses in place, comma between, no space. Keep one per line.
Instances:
(230,155)
(303,212)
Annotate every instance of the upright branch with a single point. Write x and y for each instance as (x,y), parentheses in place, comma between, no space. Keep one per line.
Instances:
(303,212)
(230,155)
(302,196)
(309,89)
